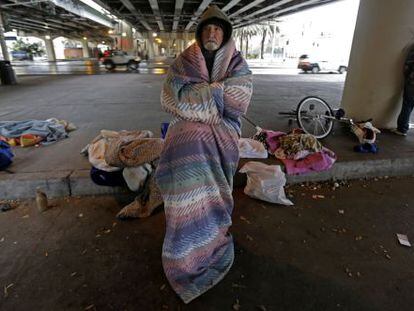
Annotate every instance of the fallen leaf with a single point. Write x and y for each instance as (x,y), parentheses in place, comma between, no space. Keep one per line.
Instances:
(6,293)
(2,239)
(245,219)
(341,211)
(162,287)
(89,307)
(249,237)
(318,196)
(261,307)
(25,216)
(236,305)
(73,274)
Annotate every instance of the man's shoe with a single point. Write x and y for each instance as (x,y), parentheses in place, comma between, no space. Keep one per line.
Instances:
(397,132)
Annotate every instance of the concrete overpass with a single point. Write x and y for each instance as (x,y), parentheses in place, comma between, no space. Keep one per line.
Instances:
(383,33)
(130,24)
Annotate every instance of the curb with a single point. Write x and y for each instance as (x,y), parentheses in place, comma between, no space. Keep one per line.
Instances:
(78,183)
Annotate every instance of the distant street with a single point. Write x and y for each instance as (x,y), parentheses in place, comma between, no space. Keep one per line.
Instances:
(153,67)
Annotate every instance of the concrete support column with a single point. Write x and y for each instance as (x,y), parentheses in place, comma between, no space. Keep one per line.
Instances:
(374,82)
(85,49)
(181,45)
(150,46)
(3,45)
(50,49)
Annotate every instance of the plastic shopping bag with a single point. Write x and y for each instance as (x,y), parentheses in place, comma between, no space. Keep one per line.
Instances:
(265,182)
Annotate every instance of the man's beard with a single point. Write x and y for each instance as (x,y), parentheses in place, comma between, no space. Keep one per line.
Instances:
(211,46)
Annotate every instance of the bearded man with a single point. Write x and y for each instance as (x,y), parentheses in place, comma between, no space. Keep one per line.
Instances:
(207,89)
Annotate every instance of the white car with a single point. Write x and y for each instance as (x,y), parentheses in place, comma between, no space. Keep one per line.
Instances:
(118,58)
(315,65)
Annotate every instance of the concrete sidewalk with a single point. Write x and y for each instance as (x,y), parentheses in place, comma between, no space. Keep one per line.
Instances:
(131,101)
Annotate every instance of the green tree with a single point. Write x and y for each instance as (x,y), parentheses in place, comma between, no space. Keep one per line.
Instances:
(32,49)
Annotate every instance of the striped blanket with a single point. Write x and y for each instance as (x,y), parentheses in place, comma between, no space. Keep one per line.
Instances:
(195,173)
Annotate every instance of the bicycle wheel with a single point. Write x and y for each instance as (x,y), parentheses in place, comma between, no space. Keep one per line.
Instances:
(315,117)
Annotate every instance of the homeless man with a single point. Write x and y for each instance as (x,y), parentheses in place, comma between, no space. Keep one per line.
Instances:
(207,89)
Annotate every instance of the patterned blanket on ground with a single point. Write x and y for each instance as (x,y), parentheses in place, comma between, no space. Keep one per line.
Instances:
(196,168)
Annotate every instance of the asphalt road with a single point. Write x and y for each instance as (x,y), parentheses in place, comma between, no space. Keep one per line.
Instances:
(335,249)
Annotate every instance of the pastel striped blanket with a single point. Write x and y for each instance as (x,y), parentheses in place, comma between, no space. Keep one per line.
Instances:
(196,168)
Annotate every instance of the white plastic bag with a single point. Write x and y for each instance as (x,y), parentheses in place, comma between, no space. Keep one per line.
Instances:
(265,182)
(135,177)
(250,148)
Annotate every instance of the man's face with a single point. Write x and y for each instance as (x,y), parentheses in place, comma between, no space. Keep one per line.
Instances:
(212,37)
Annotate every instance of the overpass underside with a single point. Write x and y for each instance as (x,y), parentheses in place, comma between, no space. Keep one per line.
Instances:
(131,24)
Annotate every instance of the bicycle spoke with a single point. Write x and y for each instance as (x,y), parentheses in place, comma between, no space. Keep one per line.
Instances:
(321,124)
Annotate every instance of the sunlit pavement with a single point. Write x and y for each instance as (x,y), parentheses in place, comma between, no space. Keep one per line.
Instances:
(94,67)
(83,67)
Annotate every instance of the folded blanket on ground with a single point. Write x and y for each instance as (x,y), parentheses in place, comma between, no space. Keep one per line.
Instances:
(51,130)
(121,153)
(97,149)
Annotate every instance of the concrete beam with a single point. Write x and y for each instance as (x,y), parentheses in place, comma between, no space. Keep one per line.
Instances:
(229,5)
(177,12)
(156,11)
(263,10)
(277,13)
(197,14)
(138,14)
(83,10)
(247,7)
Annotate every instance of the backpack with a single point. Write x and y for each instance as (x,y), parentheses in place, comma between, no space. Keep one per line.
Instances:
(6,155)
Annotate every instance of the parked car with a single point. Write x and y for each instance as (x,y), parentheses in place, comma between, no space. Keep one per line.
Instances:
(21,55)
(314,65)
(118,58)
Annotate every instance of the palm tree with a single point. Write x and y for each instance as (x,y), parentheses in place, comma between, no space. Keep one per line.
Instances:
(245,33)
(265,29)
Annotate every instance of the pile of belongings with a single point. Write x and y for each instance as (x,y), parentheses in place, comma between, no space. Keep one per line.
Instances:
(6,155)
(367,135)
(300,153)
(34,132)
(128,158)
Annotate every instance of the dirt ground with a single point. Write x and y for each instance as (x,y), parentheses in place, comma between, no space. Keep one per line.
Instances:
(335,249)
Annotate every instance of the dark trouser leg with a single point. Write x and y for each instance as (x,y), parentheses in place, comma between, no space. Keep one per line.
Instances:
(406,109)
